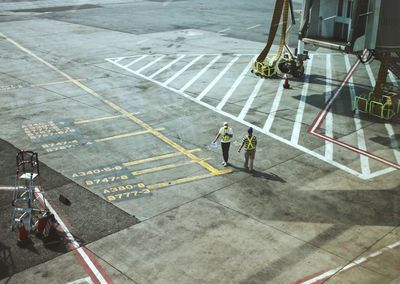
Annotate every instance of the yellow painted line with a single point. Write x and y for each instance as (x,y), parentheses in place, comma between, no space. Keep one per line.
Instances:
(125,135)
(187,179)
(164,167)
(118,108)
(156,158)
(54,83)
(82,121)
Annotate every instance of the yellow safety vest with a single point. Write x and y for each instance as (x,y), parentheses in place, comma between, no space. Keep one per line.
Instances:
(224,137)
(250,145)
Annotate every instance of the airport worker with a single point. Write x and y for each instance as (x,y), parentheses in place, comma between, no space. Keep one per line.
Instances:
(249,143)
(226,134)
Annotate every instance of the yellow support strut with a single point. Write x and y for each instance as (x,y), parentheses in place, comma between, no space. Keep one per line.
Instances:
(380,103)
(263,66)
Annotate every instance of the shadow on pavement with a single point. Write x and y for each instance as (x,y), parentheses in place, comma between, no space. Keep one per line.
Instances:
(258,174)
(6,261)
(385,141)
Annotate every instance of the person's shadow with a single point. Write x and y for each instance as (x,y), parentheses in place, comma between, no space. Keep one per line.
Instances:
(258,174)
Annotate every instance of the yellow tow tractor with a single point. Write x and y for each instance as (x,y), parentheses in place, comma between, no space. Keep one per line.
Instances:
(287,63)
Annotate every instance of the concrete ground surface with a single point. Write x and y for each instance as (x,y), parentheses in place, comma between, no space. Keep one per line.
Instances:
(121,100)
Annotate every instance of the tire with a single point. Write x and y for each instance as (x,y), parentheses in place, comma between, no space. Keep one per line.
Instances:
(298,72)
(284,66)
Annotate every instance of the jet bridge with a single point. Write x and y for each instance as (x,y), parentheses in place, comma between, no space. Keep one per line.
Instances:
(351,25)
(367,28)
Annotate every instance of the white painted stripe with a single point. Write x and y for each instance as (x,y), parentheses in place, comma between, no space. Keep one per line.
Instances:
(10,188)
(381,172)
(322,276)
(202,71)
(395,245)
(71,238)
(135,61)
(89,262)
(142,41)
(250,100)
(274,136)
(224,30)
(166,66)
(365,169)
(329,117)
(389,127)
(375,254)
(274,108)
(300,110)
(252,27)
(235,84)
(151,63)
(360,260)
(177,74)
(118,59)
(112,59)
(216,79)
(350,265)
(86,280)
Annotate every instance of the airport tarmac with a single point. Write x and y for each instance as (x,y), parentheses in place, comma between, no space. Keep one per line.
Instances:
(122,117)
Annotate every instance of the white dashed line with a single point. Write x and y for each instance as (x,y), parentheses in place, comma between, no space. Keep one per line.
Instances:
(202,71)
(302,103)
(235,84)
(253,27)
(359,130)
(222,73)
(224,30)
(329,117)
(151,63)
(135,61)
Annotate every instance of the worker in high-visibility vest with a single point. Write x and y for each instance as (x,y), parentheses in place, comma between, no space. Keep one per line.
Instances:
(226,134)
(249,143)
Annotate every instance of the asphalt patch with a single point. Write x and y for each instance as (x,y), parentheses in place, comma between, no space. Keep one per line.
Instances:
(88,216)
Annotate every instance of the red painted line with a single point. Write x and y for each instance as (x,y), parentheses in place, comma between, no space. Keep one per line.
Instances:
(302,280)
(75,247)
(97,265)
(357,150)
(80,258)
(84,265)
(77,254)
(320,118)
(324,112)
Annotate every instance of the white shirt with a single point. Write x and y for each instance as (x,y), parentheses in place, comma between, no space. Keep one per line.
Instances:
(223,132)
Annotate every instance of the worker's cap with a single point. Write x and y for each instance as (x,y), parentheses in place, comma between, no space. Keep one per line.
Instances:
(225,123)
(250,130)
